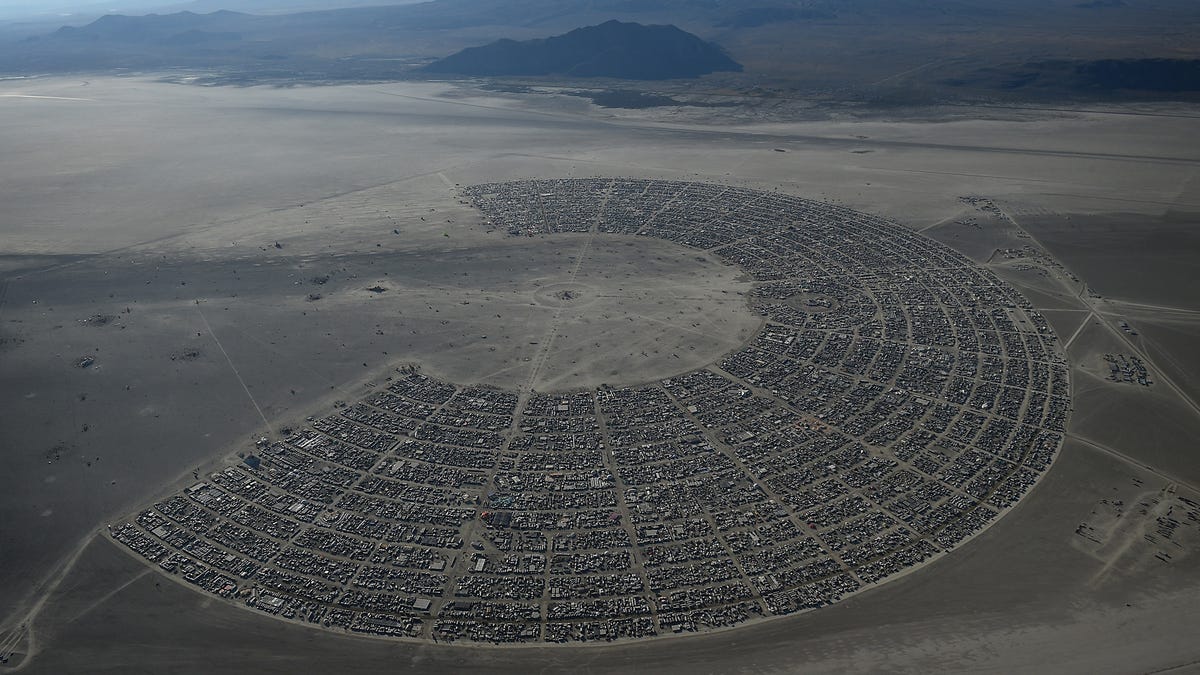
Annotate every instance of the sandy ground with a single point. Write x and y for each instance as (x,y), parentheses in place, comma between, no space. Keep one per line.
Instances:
(159,206)
(1023,597)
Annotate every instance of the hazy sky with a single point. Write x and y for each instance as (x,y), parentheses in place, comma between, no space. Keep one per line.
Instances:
(20,8)
(10,9)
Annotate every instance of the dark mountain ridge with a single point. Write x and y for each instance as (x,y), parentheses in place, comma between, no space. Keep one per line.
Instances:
(152,27)
(611,49)
(877,50)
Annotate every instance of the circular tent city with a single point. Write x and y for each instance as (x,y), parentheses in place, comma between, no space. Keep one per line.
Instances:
(877,400)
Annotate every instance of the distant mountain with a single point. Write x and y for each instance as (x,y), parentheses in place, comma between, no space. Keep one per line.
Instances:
(876,50)
(612,49)
(153,27)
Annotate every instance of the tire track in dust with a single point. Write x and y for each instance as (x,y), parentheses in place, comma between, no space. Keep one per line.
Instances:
(543,354)
(232,367)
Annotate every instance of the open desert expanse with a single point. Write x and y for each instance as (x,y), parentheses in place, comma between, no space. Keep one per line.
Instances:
(186,269)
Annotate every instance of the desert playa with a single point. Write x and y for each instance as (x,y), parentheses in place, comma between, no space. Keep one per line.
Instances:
(189,270)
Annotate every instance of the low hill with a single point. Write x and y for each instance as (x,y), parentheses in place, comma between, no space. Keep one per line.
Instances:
(611,49)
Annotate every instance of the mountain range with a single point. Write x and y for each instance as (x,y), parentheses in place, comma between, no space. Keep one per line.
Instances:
(900,50)
(612,49)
